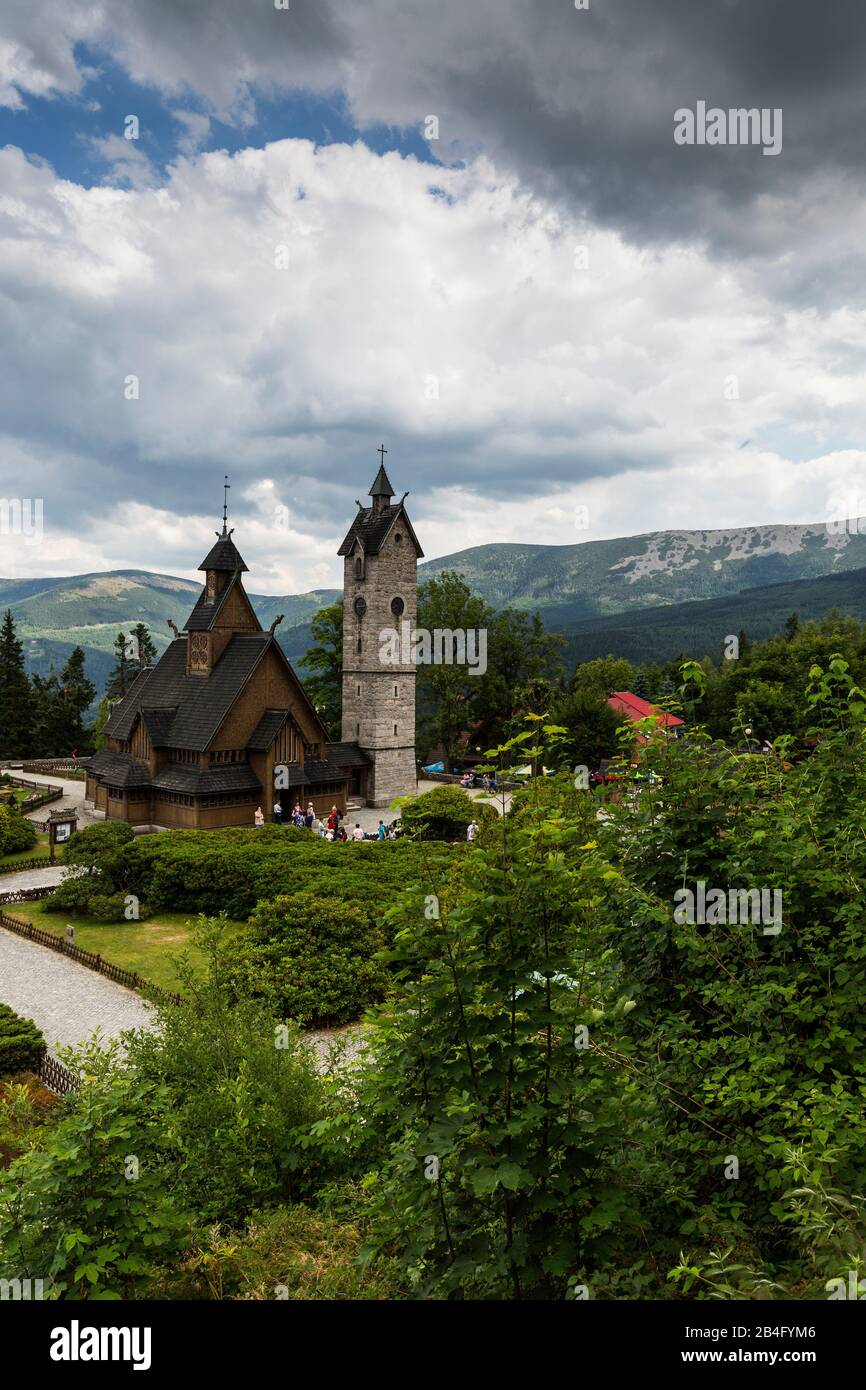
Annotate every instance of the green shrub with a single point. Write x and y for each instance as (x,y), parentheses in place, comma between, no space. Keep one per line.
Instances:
(312,956)
(99,849)
(21,1043)
(72,895)
(501,1117)
(70,1211)
(233,1088)
(443,813)
(16,832)
(111,907)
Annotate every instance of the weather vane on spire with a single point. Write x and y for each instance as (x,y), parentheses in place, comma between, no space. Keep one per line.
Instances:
(226,486)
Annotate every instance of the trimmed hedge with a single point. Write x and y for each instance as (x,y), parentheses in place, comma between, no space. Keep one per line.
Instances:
(21,1043)
(232,870)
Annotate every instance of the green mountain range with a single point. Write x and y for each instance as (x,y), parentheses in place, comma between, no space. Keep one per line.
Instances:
(647,597)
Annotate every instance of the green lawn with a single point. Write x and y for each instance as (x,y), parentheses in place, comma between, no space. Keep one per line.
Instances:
(143,946)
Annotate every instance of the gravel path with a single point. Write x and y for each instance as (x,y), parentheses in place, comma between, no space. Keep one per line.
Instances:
(67,1001)
(46,877)
(73,796)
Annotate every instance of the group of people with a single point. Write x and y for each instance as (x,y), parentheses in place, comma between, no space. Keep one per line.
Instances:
(330,829)
(471,779)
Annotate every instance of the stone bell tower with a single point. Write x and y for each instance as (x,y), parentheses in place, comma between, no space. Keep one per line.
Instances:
(380,579)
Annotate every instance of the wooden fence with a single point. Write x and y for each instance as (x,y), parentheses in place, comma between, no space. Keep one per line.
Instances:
(56,1077)
(20,866)
(41,795)
(130,978)
(75,766)
(25,895)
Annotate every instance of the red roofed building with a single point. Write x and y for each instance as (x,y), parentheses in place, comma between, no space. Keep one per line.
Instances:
(635,709)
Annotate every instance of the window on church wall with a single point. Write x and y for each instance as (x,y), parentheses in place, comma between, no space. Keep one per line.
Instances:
(398,607)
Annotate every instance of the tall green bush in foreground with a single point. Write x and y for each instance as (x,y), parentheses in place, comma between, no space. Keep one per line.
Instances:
(755,1030)
(506,1128)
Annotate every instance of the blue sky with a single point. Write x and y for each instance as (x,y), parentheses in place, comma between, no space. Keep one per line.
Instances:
(60,128)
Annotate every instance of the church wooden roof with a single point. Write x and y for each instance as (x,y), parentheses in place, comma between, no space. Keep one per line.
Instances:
(199,703)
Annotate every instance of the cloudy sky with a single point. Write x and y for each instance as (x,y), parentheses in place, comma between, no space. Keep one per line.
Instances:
(464,230)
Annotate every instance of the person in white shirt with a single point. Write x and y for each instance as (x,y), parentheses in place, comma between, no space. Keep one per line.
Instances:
(357,833)
(470,831)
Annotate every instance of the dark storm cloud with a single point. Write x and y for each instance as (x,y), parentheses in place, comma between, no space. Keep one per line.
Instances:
(580,103)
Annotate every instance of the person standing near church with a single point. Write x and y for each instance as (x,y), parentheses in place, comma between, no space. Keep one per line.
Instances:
(471,831)
(309,816)
(278,813)
(259,818)
(380,833)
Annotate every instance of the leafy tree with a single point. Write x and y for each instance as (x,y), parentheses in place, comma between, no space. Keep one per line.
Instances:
(323,664)
(16,701)
(591,729)
(503,1173)
(602,675)
(756,1027)
(447,693)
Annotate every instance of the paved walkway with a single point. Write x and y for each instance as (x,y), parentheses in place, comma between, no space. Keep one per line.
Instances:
(46,877)
(67,1001)
(73,796)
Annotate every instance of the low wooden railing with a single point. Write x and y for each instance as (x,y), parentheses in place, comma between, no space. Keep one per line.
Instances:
(56,1077)
(130,978)
(20,866)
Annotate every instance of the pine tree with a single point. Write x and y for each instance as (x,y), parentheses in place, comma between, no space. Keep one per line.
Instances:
(78,694)
(124,671)
(16,695)
(49,718)
(145,648)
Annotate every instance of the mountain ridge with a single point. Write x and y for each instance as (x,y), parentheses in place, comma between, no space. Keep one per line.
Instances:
(570,585)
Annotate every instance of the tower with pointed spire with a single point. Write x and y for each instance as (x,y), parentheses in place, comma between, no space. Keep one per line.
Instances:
(380,580)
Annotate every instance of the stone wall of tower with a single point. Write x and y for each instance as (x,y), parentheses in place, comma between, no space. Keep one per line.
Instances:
(378,695)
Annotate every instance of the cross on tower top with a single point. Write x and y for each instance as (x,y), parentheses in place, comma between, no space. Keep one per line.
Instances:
(226,486)
(382,451)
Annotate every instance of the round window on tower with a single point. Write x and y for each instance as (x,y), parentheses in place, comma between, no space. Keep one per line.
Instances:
(360,606)
(397,607)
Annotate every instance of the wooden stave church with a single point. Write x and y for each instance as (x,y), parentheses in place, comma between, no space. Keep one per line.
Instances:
(196,741)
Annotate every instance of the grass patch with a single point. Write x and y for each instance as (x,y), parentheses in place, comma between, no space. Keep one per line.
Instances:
(146,947)
(39,851)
